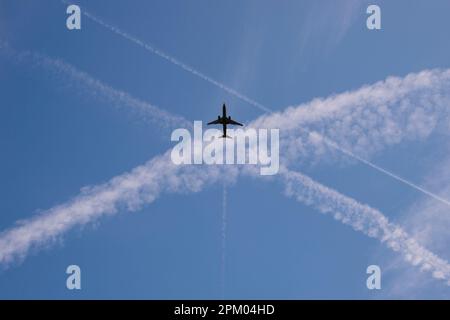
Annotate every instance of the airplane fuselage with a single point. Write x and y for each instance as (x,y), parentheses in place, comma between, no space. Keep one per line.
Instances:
(224,121)
(224,125)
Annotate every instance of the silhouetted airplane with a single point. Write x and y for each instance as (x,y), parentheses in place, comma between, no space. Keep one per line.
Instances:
(224,121)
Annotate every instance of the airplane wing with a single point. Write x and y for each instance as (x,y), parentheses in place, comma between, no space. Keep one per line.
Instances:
(215,122)
(231,121)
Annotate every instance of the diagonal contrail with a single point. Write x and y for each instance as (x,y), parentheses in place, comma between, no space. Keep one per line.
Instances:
(245,98)
(129,191)
(159,176)
(182,65)
(96,88)
(224,238)
(412,185)
(146,183)
(162,117)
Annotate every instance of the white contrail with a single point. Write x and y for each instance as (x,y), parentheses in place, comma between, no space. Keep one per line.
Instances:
(364,219)
(81,80)
(367,120)
(175,61)
(224,239)
(349,153)
(146,183)
(393,86)
(164,118)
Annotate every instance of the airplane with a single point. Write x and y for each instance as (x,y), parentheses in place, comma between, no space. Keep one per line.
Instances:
(224,121)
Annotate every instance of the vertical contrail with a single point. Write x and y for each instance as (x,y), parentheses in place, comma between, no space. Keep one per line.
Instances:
(104,200)
(84,82)
(224,239)
(159,176)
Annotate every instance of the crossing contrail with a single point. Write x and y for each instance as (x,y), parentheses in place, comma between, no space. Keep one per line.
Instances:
(85,83)
(159,176)
(163,118)
(368,120)
(186,67)
(146,183)
(412,185)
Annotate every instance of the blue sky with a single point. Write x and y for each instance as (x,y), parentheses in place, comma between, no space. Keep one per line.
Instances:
(58,135)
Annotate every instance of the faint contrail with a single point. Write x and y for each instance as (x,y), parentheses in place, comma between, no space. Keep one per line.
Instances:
(175,61)
(166,119)
(96,88)
(241,96)
(146,183)
(367,120)
(130,191)
(349,153)
(224,238)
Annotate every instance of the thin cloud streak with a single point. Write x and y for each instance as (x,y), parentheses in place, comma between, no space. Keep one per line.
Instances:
(352,95)
(120,98)
(223,238)
(428,222)
(366,121)
(129,191)
(83,81)
(182,65)
(412,185)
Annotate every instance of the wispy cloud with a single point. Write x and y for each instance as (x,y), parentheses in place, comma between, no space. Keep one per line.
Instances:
(129,191)
(364,219)
(84,83)
(371,118)
(360,123)
(326,23)
(427,221)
